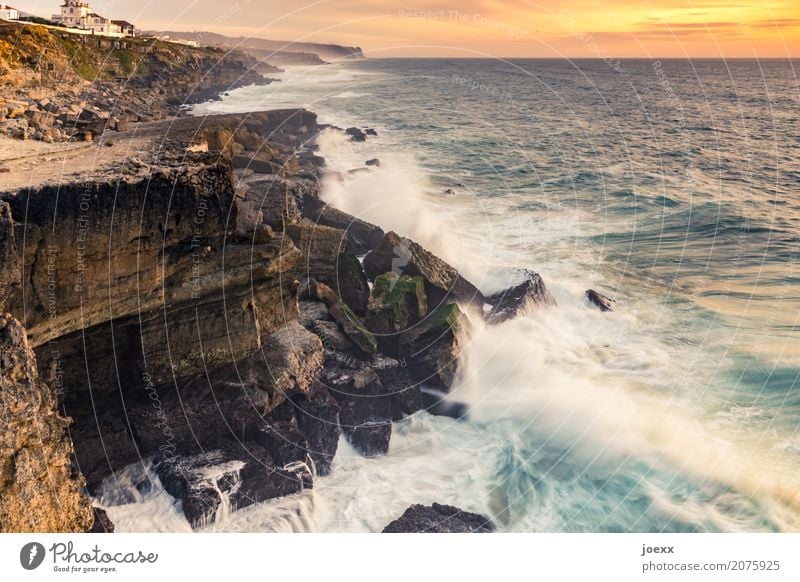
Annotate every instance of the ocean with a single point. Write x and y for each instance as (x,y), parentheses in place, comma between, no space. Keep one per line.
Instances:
(671,186)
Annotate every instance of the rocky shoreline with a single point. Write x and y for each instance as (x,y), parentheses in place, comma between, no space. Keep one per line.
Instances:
(205,309)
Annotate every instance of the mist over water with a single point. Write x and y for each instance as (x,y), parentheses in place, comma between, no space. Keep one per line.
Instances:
(672,187)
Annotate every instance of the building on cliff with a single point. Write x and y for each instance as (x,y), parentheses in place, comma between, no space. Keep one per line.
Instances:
(8,12)
(79,15)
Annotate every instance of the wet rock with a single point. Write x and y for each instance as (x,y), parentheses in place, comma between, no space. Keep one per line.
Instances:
(433,346)
(357,331)
(396,303)
(356,134)
(217,482)
(600,300)
(365,408)
(351,282)
(317,416)
(373,162)
(439,518)
(371,439)
(285,443)
(519,299)
(402,256)
(436,403)
(370,131)
(102,523)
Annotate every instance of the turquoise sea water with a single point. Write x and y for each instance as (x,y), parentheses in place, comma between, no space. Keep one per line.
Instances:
(671,186)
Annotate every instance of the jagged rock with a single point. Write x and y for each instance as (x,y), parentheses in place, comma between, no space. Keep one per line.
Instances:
(365,408)
(439,518)
(333,339)
(39,492)
(396,303)
(436,403)
(404,393)
(276,200)
(432,347)
(402,256)
(311,311)
(321,246)
(600,300)
(370,131)
(355,329)
(351,282)
(356,134)
(362,236)
(214,483)
(317,415)
(284,442)
(102,523)
(519,299)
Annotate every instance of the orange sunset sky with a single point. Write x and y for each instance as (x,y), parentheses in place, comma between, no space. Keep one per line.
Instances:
(474,28)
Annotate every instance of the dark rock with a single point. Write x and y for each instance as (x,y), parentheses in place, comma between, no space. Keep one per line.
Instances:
(373,162)
(519,299)
(356,134)
(351,282)
(219,481)
(102,523)
(404,393)
(317,415)
(285,443)
(435,403)
(433,346)
(396,303)
(258,166)
(600,300)
(365,408)
(371,439)
(402,256)
(439,519)
(311,311)
(333,339)
(355,329)
(370,131)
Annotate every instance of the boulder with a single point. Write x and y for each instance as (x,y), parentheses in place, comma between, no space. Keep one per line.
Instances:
(285,442)
(351,282)
(321,245)
(102,523)
(402,256)
(600,300)
(365,408)
(439,518)
(333,339)
(436,403)
(519,299)
(396,303)
(275,200)
(317,416)
(355,329)
(362,236)
(356,134)
(432,347)
(210,485)
(373,162)
(312,311)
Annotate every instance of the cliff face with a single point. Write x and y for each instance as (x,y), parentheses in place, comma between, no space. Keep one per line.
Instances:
(55,85)
(39,491)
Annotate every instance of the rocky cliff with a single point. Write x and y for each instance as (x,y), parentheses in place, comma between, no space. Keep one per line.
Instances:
(39,489)
(201,310)
(56,86)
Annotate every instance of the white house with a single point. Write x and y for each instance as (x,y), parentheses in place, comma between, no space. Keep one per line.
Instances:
(8,12)
(78,14)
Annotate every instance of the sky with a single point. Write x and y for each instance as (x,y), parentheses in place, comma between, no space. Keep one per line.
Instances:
(609,29)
